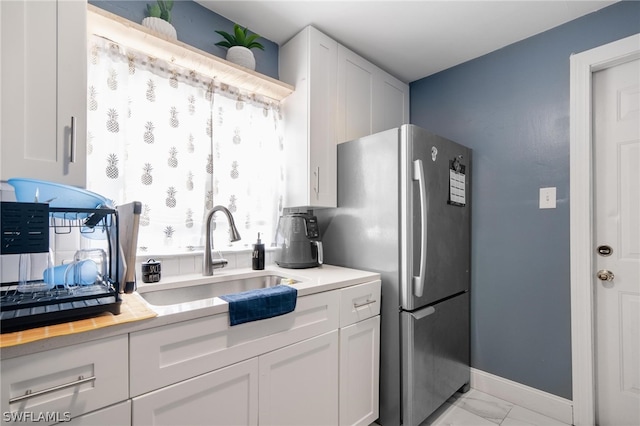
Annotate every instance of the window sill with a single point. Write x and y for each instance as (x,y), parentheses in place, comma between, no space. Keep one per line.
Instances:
(128,33)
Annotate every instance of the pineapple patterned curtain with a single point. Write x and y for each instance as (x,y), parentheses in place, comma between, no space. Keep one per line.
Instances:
(180,143)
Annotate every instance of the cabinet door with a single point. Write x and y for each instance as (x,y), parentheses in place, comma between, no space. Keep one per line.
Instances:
(355,95)
(43,84)
(298,383)
(225,397)
(309,62)
(359,372)
(390,102)
(323,155)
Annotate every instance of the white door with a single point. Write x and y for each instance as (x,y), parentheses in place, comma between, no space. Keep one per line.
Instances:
(616,133)
(225,397)
(356,84)
(390,102)
(359,372)
(298,383)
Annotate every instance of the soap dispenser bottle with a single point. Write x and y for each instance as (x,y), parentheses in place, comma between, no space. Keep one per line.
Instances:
(257,260)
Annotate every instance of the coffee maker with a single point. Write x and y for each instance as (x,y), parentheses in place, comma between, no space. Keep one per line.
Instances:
(298,241)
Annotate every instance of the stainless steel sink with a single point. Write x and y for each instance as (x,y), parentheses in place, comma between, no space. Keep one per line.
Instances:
(201,292)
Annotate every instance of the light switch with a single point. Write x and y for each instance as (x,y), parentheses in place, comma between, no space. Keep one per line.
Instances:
(548,198)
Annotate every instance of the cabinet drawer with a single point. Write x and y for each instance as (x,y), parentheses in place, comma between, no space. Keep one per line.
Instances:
(172,353)
(74,380)
(359,302)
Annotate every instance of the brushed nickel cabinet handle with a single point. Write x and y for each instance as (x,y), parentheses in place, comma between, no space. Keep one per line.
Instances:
(360,305)
(72,150)
(30,394)
(316,173)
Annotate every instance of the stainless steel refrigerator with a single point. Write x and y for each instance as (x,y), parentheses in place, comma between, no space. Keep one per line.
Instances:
(404,210)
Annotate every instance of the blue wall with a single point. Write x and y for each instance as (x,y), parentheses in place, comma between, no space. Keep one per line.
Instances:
(196,26)
(512,108)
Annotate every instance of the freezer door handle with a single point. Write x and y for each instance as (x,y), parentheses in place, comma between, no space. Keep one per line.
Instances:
(418,174)
(422,313)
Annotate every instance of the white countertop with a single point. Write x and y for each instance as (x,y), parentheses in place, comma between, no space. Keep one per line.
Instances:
(308,281)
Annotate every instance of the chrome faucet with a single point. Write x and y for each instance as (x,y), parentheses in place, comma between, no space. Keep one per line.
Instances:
(209,265)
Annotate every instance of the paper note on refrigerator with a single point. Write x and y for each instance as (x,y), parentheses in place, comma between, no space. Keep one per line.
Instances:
(457,193)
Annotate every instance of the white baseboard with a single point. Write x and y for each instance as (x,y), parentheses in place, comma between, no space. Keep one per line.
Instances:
(530,398)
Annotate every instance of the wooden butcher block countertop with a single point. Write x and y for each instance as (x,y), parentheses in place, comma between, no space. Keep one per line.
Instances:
(133,308)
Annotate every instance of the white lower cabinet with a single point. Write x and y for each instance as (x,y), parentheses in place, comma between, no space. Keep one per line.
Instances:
(317,365)
(359,372)
(298,383)
(228,396)
(48,387)
(166,355)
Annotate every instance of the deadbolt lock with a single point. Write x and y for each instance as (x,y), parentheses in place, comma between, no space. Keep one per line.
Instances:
(605,275)
(605,250)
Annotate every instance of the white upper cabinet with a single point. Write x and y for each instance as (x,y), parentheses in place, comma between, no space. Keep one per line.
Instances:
(370,100)
(309,62)
(390,102)
(339,96)
(44,90)
(356,86)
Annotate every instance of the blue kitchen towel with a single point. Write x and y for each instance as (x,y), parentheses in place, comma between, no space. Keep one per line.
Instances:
(259,304)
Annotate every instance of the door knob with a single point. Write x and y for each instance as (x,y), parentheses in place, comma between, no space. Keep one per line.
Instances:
(605,275)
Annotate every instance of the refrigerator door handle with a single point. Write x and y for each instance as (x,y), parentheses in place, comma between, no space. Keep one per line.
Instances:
(422,313)
(418,174)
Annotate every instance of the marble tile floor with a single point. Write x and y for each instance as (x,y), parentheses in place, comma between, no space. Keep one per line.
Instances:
(476,408)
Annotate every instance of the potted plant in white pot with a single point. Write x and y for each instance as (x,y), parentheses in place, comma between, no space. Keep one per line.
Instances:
(240,45)
(159,19)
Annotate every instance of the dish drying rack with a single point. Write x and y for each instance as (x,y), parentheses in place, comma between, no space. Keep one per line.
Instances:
(21,309)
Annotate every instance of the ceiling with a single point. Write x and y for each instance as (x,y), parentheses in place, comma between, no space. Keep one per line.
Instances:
(408,39)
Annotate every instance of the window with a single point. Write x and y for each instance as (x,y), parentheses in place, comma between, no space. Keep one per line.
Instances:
(181,143)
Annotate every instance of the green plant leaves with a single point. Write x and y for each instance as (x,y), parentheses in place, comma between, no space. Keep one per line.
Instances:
(161,10)
(239,38)
(153,10)
(240,34)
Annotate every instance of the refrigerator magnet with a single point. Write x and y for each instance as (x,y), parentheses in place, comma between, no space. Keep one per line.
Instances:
(457,183)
